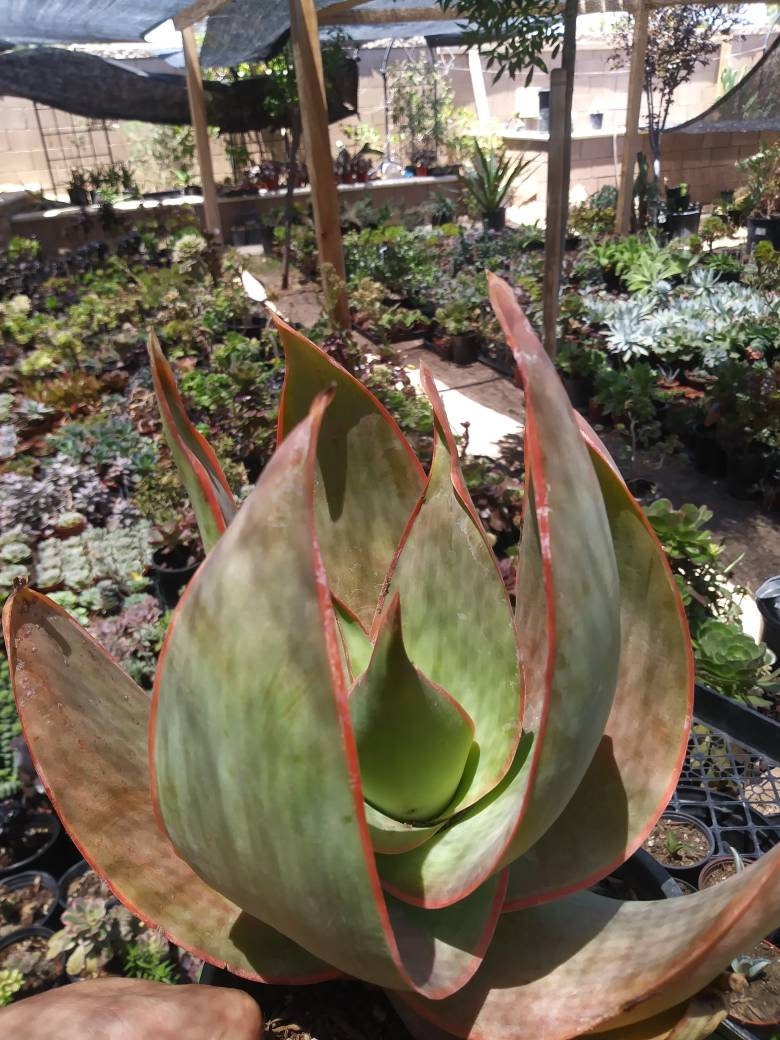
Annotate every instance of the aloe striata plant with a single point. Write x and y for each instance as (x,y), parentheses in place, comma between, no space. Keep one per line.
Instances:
(357,760)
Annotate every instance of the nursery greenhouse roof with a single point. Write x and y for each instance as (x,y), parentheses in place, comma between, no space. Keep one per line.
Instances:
(91,86)
(753,104)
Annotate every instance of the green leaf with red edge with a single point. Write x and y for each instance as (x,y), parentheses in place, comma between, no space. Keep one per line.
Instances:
(369,479)
(569,629)
(413,739)
(587,963)
(636,767)
(200,471)
(255,769)
(85,722)
(695,1020)
(458,626)
(355,640)
(391,837)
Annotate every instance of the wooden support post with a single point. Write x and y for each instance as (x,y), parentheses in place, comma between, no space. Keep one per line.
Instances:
(558,175)
(304,31)
(200,126)
(636,83)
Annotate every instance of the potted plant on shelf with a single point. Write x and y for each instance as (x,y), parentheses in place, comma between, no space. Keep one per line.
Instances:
(681,843)
(266,174)
(78,192)
(459,321)
(753,986)
(762,172)
(489,182)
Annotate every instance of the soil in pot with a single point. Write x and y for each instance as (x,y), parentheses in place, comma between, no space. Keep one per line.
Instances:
(25,900)
(25,951)
(679,842)
(24,837)
(81,882)
(719,869)
(757,1002)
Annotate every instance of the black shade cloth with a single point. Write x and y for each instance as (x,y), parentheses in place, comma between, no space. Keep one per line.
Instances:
(87,85)
(753,104)
(82,21)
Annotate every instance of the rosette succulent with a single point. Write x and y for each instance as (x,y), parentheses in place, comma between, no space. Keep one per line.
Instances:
(359,759)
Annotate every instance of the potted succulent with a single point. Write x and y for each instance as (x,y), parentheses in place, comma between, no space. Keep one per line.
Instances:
(720,868)
(26,900)
(762,172)
(24,960)
(489,182)
(681,843)
(175,558)
(458,320)
(25,837)
(78,192)
(753,986)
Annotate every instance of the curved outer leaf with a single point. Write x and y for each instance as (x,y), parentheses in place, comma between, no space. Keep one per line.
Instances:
(201,473)
(696,1020)
(369,478)
(636,767)
(569,628)
(85,722)
(283,833)
(584,962)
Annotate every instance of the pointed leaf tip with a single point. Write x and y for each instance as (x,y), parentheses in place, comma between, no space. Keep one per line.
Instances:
(413,738)
(198,466)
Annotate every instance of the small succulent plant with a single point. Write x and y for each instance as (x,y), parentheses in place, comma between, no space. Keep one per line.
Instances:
(94,932)
(11,981)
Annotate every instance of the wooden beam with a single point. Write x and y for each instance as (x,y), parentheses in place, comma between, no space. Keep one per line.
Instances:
(304,31)
(636,83)
(386,16)
(558,176)
(196,12)
(336,9)
(200,125)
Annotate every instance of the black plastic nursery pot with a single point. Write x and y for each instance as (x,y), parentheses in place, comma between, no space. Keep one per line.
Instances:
(29,878)
(465,348)
(745,467)
(496,220)
(709,458)
(58,977)
(690,871)
(763,229)
(49,827)
(683,223)
(579,389)
(169,579)
(768,600)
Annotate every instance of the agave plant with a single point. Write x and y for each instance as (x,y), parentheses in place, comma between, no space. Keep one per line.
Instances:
(492,177)
(357,760)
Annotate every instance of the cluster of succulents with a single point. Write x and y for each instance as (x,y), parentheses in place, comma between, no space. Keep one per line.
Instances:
(133,636)
(120,555)
(94,931)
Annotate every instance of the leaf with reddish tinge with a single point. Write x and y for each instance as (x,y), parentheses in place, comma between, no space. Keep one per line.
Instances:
(587,963)
(200,471)
(256,770)
(368,479)
(85,722)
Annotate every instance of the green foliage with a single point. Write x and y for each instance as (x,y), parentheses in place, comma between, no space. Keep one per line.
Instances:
(423,118)
(596,216)
(94,932)
(492,177)
(733,663)
(9,729)
(457,317)
(512,33)
(173,149)
(762,173)
(150,958)
(629,397)
(11,981)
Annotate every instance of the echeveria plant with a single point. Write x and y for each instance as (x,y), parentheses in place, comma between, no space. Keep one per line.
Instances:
(358,759)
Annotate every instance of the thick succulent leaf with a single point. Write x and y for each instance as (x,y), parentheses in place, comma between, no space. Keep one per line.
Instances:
(636,767)
(201,473)
(696,1020)
(568,615)
(569,628)
(368,479)
(85,722)
(413,739)
(355,640)
(458,626)
(586,963)
(256,774)
(391,837)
